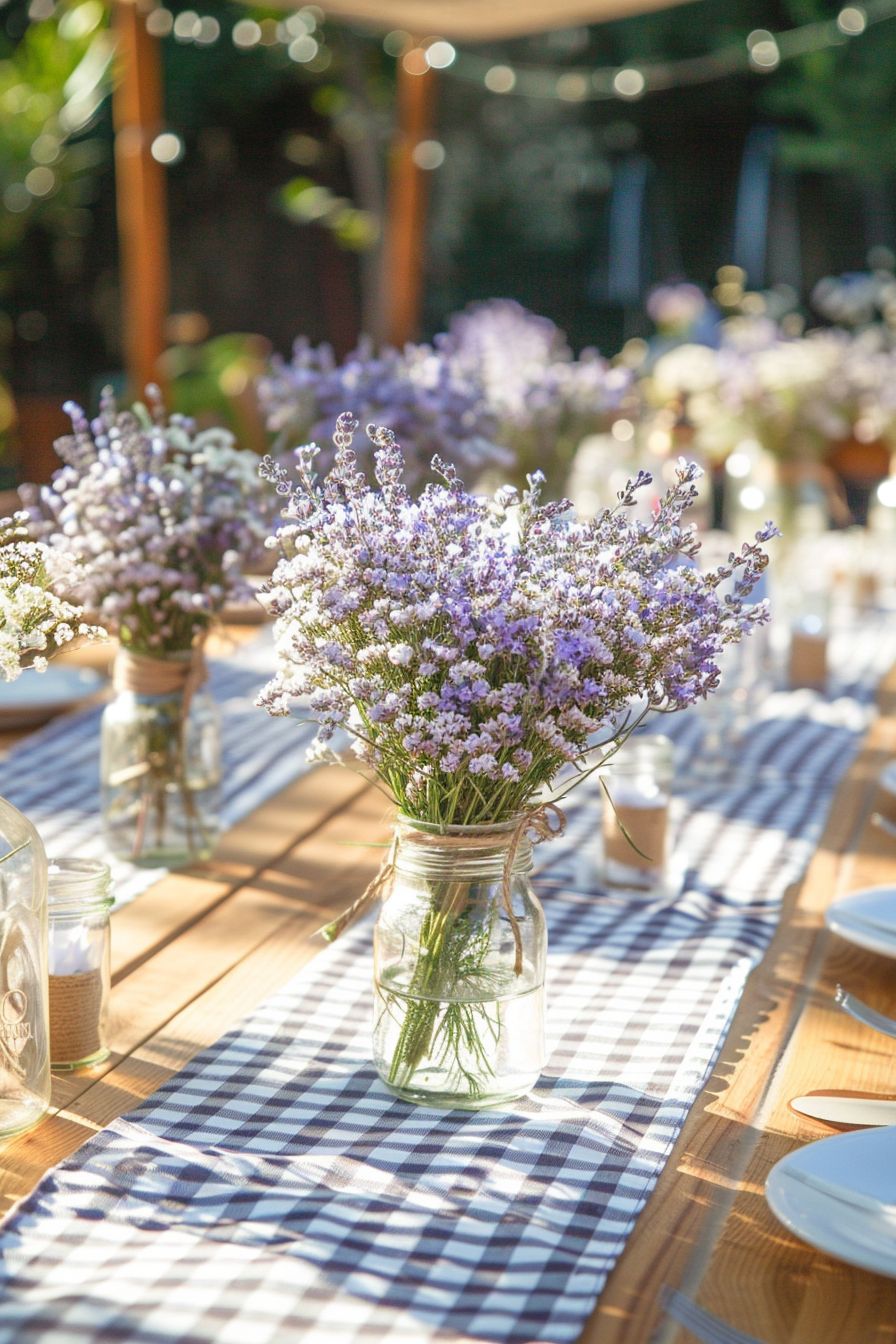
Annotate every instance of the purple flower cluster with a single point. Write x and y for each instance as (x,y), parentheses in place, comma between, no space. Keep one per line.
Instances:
(474,647)
(525,367)
(416,392)
(544,401)
(162,519)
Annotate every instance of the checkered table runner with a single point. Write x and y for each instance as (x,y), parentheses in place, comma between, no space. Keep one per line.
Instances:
(53,775)
(275,1191)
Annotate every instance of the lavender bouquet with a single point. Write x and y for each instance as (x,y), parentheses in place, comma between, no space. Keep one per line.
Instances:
(163,521)
(476,650)
(433,407)
(543,400)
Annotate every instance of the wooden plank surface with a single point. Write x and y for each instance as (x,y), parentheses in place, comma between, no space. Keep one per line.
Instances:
(194,953)
(200,949)
(707,1228)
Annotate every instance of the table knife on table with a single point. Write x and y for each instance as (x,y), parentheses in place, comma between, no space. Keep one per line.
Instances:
(847,1110)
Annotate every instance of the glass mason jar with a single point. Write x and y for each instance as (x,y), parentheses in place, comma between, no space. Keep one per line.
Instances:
(160,766)
(459,964)
(24,1038)
(79,901)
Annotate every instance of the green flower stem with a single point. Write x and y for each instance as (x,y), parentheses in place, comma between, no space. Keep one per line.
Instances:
(449,958)
(166,761)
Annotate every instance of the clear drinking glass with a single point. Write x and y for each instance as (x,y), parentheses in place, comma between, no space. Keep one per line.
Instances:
(160,777)
(24,1039)
(459,972)
(635,819)
(80,899)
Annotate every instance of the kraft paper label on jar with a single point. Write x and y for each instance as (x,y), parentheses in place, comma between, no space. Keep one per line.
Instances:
(15,1030)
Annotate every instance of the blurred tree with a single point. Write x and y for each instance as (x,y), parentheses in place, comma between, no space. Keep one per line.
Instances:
(52,83)
(845,98)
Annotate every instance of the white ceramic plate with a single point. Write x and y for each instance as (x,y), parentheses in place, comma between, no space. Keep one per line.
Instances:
(36,696)
(887,779)
(851,1212)
(866,918)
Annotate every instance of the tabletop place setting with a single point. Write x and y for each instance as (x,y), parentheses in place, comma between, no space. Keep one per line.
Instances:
(447,672)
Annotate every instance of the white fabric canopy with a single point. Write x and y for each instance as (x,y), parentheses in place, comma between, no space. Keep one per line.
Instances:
(472,20)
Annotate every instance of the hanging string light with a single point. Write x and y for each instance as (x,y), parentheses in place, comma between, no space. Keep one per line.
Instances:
(762,53)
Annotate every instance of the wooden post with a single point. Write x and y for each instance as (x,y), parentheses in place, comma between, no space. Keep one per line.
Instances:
(407,200)
(137,105)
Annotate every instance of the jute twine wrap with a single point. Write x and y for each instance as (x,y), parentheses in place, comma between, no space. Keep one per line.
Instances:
(144,675)
(536,824)
(75,1005)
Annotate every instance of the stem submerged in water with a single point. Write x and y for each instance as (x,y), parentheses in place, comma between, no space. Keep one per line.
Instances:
(156,795)
(436,1022)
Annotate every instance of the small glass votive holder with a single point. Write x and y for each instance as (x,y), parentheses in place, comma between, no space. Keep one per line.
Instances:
(639,783)
(79,900)
(808,661)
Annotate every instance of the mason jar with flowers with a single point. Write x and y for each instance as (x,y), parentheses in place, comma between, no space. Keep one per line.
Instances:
(478,651)
(163,520)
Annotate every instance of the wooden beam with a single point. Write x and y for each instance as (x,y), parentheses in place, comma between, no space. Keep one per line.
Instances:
(407,200)
(137,106)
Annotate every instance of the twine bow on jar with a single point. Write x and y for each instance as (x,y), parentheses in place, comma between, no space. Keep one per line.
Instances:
(535,823)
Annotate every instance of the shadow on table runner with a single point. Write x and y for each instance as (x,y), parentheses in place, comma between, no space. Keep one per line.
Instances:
(409,1223)
(53,776)
(275,1189)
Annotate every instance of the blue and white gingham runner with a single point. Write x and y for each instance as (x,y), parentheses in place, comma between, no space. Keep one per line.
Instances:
(274,1191)
(53,775)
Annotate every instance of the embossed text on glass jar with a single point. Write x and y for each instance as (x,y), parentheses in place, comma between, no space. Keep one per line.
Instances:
(459,963)
(24,1040)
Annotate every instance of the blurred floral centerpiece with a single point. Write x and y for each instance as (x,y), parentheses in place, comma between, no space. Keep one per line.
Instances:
(544,402)
(475,649)
(163,521)
(434,408)
(811,404)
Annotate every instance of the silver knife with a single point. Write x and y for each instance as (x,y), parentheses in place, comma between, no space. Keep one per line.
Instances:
(846,1109)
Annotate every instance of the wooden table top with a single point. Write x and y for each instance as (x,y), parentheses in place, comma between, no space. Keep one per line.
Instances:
(204,946)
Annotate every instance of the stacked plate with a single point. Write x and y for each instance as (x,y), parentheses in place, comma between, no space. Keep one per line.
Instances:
(839,1194)
(35,697)
(867,918)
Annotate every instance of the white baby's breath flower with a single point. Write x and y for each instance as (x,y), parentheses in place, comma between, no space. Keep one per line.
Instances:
(33,615)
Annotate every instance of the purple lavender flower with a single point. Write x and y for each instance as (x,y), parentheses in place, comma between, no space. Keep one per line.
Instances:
(473,647)
(417,393)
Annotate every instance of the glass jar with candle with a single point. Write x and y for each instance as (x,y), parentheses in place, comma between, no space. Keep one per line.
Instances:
(808,660)
(636,815)
(79,903)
